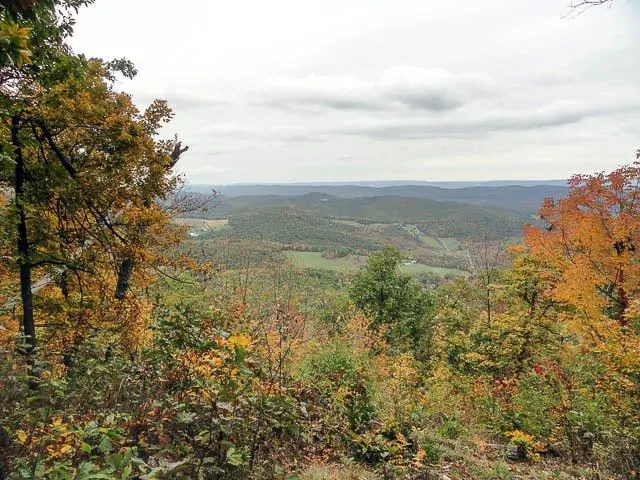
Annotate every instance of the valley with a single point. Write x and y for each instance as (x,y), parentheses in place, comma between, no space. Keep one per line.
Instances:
(320,230)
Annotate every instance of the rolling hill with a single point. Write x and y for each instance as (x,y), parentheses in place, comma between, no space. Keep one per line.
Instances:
(434,218)
(523,198)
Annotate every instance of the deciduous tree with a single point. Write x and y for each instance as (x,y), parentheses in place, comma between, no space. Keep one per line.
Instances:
(393,301)
(590,244)
(82,166)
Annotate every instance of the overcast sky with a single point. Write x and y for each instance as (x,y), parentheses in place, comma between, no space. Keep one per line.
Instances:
(348,90)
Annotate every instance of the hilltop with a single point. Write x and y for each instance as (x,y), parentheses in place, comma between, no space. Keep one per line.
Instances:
(521,197)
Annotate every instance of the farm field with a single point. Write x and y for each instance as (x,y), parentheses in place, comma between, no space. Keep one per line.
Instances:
(316,260)
(449,243)
(430,242)
(352,263)
(202,223)
(417,268)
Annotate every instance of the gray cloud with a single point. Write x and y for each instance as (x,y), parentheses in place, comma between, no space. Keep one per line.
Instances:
(301,138)
(434,89)
(230,130)
(337,92)
(431,89)
(562,113)
(397,127)
(243,132)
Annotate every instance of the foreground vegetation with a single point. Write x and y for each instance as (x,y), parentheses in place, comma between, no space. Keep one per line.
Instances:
(128,351)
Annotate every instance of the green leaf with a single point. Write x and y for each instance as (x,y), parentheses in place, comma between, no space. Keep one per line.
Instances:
(126,472)
(105,445)
(115,460)
(234,457)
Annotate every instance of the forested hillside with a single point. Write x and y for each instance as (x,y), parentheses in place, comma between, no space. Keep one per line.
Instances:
(437,234)
(439,219)
(291,226)
(148,334)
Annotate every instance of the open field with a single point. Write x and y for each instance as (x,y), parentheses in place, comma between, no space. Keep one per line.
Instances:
(349,263)
(417,268)
(352,263)
(430,242)
(205,224)
(449,243)
(351,223)
(371,227)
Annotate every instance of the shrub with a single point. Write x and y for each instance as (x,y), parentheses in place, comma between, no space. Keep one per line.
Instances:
(341,378)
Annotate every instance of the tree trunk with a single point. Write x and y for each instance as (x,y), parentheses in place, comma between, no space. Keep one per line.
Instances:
(28,325)
(128,263)
(124,277)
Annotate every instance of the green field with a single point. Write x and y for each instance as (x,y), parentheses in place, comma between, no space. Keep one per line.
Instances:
(375,227)
(202,223)
(426,240)
(349,263)
(351,223)
(450,243)
(352,263)
(417,268)
(430,242)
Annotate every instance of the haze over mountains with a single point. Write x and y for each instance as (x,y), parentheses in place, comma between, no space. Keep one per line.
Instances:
(391,183)
(525,196)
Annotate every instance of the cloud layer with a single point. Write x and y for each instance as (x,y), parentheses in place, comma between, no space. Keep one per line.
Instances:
(554,115)
(365,90)
(430,89)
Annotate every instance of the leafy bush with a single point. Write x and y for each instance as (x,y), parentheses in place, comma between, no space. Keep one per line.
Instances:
(341,378)
(394,303)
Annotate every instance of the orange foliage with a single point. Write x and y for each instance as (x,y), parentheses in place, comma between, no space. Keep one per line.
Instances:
(592,269)
(589,246)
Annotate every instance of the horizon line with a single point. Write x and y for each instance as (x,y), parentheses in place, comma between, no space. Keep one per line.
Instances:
(361,182)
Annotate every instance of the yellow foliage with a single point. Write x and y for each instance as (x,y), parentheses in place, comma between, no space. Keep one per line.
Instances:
(239,340)
(21,435)
(397,378)
(520,438)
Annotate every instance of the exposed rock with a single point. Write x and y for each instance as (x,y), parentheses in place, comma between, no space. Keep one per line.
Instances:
(516,453)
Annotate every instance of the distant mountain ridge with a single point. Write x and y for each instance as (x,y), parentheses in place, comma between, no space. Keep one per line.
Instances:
(521,198)
(390,183)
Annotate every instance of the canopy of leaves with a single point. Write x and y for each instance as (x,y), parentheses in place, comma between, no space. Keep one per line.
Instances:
(391,299)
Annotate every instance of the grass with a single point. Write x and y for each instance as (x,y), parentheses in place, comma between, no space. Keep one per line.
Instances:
(462,464)
(337,472)
(430,242)
(351,223)
(376,227)
(450,243)
(426,240)
(417,268)
(205,224)
(352,263)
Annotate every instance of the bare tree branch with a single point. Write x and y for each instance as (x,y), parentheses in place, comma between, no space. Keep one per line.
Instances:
(578,7)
